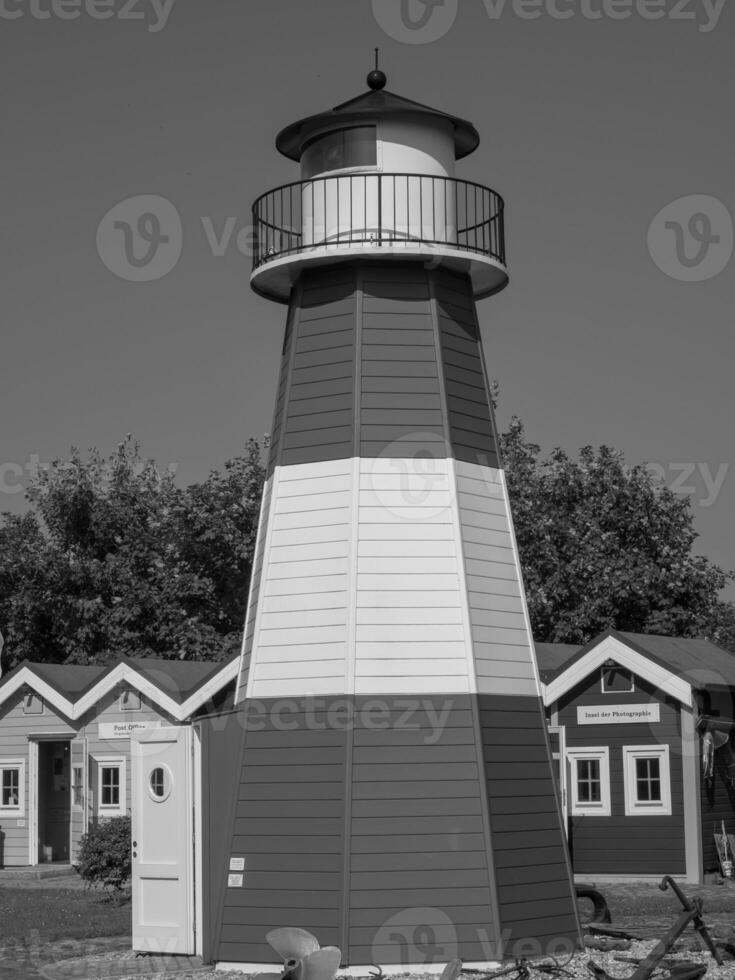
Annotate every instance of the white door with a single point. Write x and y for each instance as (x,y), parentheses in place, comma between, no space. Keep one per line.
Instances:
(79,811)
(163,886)
(557,737)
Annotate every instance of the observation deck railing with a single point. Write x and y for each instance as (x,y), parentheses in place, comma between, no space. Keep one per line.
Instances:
(376,209)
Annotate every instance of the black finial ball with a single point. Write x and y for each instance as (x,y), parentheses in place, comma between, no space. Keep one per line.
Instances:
(376,80)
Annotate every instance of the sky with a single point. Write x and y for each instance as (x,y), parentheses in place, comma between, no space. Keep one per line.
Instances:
(605,124)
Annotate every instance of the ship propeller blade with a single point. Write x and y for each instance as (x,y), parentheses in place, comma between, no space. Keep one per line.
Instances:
(322,964)
(291,943)
(452,970)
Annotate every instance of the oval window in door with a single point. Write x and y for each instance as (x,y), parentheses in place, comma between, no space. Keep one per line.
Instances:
(160,782)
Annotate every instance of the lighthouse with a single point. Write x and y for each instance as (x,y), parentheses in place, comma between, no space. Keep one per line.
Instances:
(394,784)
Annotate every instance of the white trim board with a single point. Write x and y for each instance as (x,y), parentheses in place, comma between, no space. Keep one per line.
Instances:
(27,678)
(123,673)
(610,648)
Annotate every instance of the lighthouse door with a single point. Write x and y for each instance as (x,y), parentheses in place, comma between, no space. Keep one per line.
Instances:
(163,888)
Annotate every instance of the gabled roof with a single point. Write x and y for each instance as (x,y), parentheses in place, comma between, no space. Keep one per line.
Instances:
(551,656)
(676,665)
(371,105)
(179,687)
(67,679)
(701,662)
(179,678)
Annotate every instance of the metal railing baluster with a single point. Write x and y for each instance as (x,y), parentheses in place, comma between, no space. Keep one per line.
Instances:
(281,224)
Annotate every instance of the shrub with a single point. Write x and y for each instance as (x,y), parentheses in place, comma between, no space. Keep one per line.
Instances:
(104,854)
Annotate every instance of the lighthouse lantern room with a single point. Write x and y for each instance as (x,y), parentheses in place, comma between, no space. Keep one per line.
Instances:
(391,788)
(378,172)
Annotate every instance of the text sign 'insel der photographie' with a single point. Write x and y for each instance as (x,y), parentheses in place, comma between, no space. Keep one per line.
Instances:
(617,714)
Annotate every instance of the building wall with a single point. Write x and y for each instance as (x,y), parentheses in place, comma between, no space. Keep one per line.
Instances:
(384,453)
(16,733)
(15,729)
(221,739)
(620,844)
(385,539)
(364,821)
(531,864)
(107,711)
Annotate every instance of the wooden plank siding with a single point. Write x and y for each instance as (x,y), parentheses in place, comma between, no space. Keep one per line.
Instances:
(378,814)
(281,392)
(416,829)
(649,844)
(18,729)
(15,728)
(389,575)
(468,399)
(107,711)
(302,623)
(397,344)
(533,876)
(504,659)
(221,741)
(406,556)
(289,826)
(254,588)
(319,420)
(369,329)
(352,815)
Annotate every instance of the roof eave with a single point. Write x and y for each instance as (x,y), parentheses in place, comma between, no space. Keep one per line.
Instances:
(290,140)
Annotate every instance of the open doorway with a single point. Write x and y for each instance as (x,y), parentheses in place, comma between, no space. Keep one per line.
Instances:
(54,801)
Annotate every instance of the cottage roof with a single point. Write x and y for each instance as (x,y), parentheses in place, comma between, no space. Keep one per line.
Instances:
(677,665)
(178,686)
(552,656)
(69,679)
(699,661)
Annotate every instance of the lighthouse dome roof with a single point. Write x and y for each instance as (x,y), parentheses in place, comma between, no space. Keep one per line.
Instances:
(374,104)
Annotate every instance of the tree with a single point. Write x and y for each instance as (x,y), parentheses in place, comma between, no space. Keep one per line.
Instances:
(604,545)
(720,628)
(115,559)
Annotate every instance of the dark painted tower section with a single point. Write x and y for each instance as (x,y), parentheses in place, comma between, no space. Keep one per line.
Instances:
(395,790)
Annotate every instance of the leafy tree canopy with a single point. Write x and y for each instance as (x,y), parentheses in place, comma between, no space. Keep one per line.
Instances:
(606,545)
(115,559)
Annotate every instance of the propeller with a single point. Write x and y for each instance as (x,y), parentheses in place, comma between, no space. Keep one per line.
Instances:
(291,943)
(452,970)
(303,958)
(322,964)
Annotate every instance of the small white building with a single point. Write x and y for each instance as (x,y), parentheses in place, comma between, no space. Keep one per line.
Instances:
(65,743)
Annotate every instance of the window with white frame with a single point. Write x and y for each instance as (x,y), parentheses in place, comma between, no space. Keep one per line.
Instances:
(12,787)
(32,704)
(590,780)
(110,785)
(647,775)
(616,679)
(130,700)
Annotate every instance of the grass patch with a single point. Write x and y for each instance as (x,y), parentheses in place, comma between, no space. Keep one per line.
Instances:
(51,914)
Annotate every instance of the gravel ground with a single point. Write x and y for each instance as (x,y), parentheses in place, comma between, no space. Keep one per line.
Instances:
(640,907)
(575,968)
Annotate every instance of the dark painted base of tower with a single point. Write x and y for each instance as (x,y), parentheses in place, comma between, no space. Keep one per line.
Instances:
(401,829)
